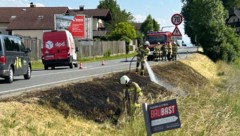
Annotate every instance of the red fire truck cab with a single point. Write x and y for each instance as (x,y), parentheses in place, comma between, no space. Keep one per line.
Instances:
(154,38)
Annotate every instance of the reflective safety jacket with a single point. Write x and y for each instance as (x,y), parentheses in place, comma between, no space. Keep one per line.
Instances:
(135,89)
(143,52)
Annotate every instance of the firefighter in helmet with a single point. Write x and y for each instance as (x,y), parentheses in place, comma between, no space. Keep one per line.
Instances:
(164,51)
(131,95)
(157,50)
(174,51)
(142,54)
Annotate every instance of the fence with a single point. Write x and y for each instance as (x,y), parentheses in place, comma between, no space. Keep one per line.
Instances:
(100,48)
(86,48)
(35,45)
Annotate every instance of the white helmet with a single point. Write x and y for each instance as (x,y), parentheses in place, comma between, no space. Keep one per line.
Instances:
(124,80)
(147,43)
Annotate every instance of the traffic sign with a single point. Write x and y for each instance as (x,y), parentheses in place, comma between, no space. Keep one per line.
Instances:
(176,19)
(176,32)
(176,38)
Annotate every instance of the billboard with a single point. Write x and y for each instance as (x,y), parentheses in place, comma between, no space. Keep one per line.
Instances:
(78,25)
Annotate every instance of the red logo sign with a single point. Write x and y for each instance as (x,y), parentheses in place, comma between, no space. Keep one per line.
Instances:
(163,116)
(163,111)
(77,27)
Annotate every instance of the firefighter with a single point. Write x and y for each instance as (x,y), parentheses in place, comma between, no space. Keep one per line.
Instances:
(169,48)
(157,50)
(174,51)
(164,52)
(142,54)
(131,95)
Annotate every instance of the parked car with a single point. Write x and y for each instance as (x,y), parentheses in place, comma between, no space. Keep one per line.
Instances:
(58,49)
(14,58)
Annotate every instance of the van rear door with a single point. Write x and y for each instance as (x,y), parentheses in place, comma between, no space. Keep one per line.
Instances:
(55,45)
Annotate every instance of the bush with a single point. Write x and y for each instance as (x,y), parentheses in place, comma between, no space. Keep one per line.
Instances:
(107,53)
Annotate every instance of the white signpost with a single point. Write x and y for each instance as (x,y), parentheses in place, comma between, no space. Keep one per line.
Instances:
(176,20)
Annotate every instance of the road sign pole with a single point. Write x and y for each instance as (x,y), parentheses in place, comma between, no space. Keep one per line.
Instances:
(146,118)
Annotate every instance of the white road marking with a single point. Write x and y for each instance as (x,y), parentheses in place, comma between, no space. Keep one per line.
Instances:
(25,88)
(71,71)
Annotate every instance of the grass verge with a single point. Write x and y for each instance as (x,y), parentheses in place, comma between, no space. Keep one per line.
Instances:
(212,110)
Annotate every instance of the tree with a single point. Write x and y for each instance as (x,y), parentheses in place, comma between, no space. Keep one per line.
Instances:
(118,15)
(229,4)
(188,24)
(124,31)
(149,24)
(156,26)
(205,24)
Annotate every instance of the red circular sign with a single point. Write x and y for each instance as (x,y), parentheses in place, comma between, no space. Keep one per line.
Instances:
(176,19)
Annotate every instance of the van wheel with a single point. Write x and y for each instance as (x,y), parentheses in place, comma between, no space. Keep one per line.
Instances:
(53,67)
(75,65)
(9,79)
(46,67)
(71,65)
(29,73)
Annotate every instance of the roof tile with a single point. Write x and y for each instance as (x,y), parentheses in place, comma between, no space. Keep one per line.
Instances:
(27,18)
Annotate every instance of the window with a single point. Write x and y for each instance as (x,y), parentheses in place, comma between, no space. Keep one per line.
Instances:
(0,45)
(157,38)
(11,44)
(21,46)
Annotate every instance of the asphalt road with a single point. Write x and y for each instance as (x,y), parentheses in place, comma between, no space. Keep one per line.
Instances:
(42,79)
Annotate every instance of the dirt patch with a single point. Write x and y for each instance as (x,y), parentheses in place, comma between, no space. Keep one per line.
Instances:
(101,98)
(180,75)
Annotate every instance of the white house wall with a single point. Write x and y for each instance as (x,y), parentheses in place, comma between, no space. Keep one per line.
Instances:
(94,24)
(3,27)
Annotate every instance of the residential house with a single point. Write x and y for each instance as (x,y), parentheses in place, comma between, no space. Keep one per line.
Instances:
(32,21)
(137,27)
(234,19)
(99,16)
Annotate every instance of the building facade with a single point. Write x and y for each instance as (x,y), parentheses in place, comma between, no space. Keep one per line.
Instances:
(234,19)
(32,21)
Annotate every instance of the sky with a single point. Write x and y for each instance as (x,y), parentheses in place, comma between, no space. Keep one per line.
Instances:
(160,10)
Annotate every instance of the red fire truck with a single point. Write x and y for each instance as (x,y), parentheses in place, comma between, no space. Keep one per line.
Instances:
(154,38)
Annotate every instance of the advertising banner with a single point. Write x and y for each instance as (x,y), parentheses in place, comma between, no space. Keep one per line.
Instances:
(79,26)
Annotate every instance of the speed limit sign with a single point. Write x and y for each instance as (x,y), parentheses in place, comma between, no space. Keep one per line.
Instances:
(176,19)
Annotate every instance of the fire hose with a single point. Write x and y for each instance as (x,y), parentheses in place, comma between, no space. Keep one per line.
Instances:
(131,63)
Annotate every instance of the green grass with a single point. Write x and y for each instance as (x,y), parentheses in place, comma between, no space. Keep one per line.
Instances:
(38,64)
(214,110)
